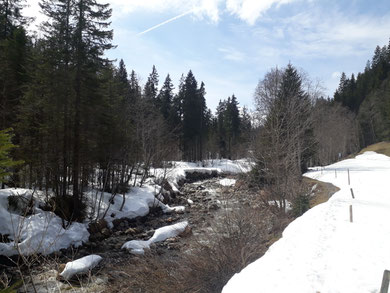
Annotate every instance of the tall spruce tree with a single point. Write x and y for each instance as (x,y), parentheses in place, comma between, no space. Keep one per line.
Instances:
(151,86)
(91,39)
(14,52)
(6,161)
(11,17)
(60,52)
(166,99)
(194,111)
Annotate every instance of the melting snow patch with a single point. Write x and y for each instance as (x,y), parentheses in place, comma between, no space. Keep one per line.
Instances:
(41,232)
(138,246)
(227,182)
(81,265)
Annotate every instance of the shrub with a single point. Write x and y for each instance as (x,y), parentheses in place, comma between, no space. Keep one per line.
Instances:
(300,205)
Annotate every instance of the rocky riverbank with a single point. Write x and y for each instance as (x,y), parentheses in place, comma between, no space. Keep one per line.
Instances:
(207,202)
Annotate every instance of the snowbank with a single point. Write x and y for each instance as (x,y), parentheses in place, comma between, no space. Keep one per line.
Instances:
(41,232)
(80,266)
(161,234)
(322,251)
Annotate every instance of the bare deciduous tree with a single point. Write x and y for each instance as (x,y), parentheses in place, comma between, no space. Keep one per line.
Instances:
(285,142)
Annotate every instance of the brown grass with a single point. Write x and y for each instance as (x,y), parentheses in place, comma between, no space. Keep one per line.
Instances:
(207,263)
(322,193)
(380,147)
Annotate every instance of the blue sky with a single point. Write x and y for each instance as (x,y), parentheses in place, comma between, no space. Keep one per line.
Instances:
(231,44)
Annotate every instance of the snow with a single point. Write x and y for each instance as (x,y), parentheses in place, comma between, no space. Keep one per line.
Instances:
(81,265)
(177,209)
(322,251)
(277,204)
(161,234)
(227,182)
(137,203)
(140,199)
(41,232)
(220,166)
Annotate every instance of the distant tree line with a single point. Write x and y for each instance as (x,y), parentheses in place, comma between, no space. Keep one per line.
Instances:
(78,119)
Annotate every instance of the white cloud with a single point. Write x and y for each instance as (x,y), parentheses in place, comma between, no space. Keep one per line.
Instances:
(336,75)
(232,54)
(323,34)
(247,10)
(251,10)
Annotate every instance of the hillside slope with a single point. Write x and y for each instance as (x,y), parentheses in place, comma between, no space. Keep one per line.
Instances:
(322,251)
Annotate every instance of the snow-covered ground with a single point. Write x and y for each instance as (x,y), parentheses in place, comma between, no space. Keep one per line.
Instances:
(322,251)
(42,232)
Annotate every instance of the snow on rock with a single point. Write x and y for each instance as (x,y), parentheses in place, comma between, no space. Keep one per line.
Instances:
(322,251)
(80,266)
(161,234)
(227,182)
(41,232)
(137,203)
(180,169)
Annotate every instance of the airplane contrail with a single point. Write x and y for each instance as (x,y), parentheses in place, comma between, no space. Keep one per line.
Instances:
(165,22)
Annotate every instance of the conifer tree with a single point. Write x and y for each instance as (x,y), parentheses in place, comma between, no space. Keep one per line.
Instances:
(166,98)
(6,162)
(194,111)
(11,17)
(90,40)
(151,86)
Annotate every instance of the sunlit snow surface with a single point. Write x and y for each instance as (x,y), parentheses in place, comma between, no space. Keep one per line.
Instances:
(322,251)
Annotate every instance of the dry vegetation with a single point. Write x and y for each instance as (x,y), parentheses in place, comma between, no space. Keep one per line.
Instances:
(381,148)
(322,192)
(207,262)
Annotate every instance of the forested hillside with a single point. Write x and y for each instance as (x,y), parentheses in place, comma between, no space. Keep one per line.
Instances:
(368,96)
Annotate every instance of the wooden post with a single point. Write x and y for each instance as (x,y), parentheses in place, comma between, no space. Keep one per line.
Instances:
(353,196)
(385,282)
(350,214)
(349,180)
